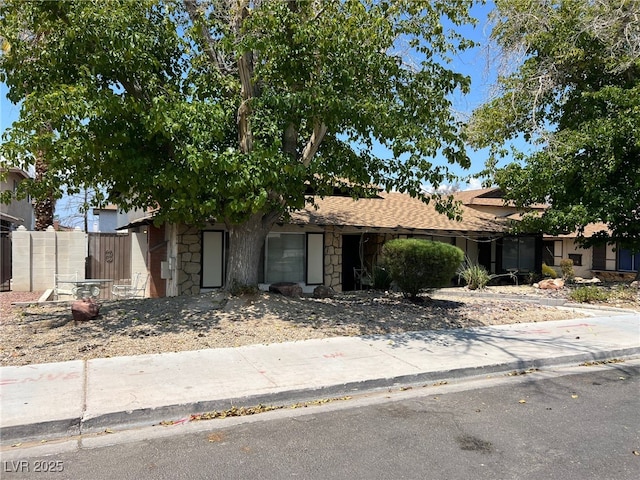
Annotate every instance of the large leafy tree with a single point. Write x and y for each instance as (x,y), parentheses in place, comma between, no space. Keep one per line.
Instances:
(234,110)
(575,94)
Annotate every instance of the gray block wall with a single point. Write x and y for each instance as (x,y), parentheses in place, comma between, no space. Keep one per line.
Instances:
(38,256)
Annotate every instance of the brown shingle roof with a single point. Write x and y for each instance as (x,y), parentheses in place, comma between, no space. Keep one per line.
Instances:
(393,211)
(589,231)
(468,197)
(486,197)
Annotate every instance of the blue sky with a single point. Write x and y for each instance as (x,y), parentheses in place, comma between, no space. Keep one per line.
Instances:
(472,62)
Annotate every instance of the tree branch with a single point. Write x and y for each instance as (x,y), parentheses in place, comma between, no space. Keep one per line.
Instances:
(245,74)
(209,44)
(319,131)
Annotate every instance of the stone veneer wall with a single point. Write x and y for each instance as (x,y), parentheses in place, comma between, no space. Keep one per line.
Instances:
(333,259)
(373,248)
(333,255)
(189,249)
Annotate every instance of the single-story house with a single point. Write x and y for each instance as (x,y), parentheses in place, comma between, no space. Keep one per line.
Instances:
(335,243)
(607,262)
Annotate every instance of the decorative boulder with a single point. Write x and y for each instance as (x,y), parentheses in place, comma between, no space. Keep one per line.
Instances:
(85,309)
(551,284)
(288,289)
(590,280)
(322,291)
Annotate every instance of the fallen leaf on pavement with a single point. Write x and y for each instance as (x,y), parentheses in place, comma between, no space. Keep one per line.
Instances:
(215,437)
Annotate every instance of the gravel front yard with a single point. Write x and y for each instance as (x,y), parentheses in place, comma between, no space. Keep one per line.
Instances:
(42,333)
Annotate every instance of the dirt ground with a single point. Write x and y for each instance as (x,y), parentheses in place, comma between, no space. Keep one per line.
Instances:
(43,333)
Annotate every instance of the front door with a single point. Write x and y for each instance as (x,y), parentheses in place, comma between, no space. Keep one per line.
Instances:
(350,261)
(484,254)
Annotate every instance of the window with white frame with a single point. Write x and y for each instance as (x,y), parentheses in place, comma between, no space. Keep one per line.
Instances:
(285,257)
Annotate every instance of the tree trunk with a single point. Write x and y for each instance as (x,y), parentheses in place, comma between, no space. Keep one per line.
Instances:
(245,249)
(44,206)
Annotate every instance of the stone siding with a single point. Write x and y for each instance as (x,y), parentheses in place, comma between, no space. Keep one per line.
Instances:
(189,260)
(333,259)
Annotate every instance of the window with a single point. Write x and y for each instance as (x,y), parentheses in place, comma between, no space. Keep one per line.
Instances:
(628,261)
(284,257)
(576,258)
(548,252)
(599,257)
(213,246)
(519,253)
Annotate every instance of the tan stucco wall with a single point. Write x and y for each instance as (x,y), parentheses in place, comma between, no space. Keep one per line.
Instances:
(21,209)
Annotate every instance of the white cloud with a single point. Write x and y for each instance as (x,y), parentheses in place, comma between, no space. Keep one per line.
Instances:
(473,184)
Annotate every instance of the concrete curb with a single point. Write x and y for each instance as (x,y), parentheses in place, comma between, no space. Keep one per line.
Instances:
(149,417)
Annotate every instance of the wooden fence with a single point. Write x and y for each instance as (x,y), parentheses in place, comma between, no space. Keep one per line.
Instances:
(109,256)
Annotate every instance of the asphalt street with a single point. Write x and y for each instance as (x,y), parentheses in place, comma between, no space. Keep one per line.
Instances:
(557,423)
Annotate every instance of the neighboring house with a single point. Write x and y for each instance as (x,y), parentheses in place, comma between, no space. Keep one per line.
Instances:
(329,245)
(19,212)
(606,262)
(107,218)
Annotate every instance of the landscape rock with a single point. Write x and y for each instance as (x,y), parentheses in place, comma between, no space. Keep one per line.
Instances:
(322,291)
(583,280)
(550,284)
(85,309)
(288,289)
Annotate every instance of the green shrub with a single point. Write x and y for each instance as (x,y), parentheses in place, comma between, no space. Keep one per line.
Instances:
(566,265)
(547,271)
(588,294)
(381,278)
(474,275)
(533,277)
(420,264)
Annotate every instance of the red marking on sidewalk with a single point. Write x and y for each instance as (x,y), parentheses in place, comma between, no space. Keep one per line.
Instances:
(578,325)
(532,331)
(333,355)
(49,377)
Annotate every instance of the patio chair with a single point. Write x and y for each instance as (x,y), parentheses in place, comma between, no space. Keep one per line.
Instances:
(362,279)
(136,289)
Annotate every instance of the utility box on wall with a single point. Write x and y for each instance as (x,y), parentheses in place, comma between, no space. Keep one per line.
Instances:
(166,268)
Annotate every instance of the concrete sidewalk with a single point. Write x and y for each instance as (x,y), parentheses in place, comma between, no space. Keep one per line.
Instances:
(69,398)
